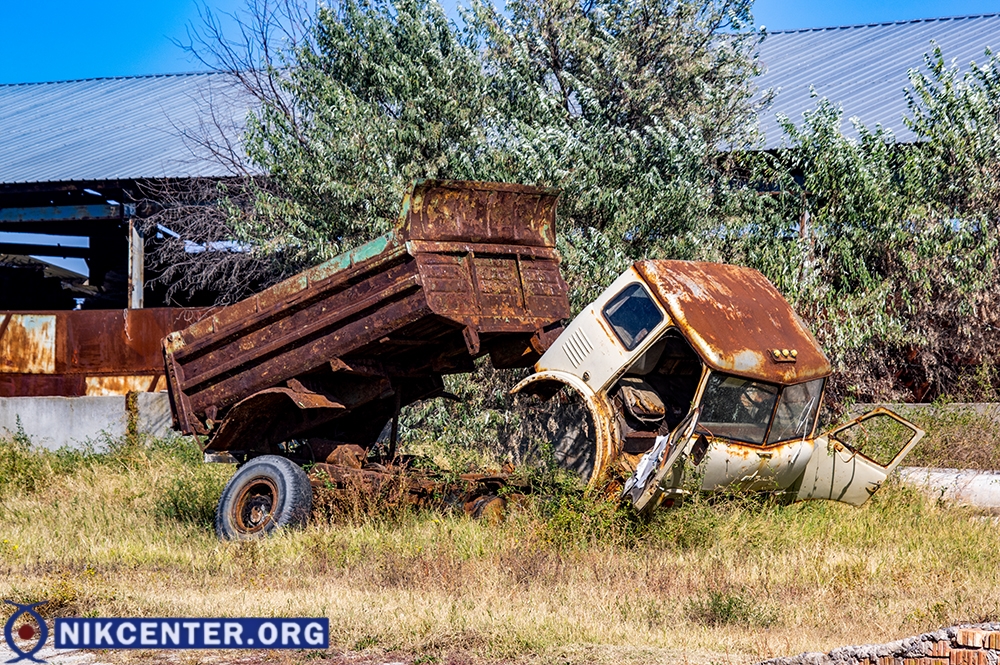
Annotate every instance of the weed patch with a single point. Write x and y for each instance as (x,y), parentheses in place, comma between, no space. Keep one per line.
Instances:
(582,520)
(723,608)
(192,495)
(958,436)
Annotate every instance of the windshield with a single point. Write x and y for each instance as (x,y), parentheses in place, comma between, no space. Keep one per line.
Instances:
(736,408)
(742,409)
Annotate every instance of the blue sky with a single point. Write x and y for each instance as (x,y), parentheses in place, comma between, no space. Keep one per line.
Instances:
(53,40)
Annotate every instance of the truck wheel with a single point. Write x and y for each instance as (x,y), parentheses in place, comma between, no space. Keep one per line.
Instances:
(267,492)
(560,430)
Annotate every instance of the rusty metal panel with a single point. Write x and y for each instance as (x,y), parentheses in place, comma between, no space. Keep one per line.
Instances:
(508,293)
(475,212)
(499,283)
(28,343)
(544,288)
(248,352)
(120,341)
(88,352)
(736,320)
(42,385)
(228,316)
(300,359)
(448,277)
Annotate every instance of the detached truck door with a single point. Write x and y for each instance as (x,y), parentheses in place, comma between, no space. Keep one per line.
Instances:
(843,466)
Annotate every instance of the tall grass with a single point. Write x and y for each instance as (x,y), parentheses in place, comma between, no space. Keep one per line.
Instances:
(565,578)
(958,435)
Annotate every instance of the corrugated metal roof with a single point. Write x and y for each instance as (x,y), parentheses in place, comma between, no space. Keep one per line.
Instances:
(862,68)
(116,128)
(148,127)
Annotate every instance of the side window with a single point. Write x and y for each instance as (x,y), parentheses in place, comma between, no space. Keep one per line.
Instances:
(632,315)
(796,411)
(737,408)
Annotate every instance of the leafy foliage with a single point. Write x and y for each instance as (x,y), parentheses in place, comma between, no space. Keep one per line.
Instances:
(640,112)
(889,251)
(382,93)
(622,105)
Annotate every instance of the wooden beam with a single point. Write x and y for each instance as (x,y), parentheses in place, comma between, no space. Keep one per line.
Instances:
(136,261)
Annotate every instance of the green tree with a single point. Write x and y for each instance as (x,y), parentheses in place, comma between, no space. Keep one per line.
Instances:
(889,251)
(378,95)
(623,105)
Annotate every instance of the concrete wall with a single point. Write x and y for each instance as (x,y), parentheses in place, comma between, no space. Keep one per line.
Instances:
(75,422)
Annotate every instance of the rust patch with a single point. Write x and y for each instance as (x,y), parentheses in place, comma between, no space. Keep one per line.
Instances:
(121,385)
(347,455)
(28,345)
(734,319)
(89,352)
(475,212)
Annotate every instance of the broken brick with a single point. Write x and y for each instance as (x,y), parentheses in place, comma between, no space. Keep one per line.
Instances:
(970,637)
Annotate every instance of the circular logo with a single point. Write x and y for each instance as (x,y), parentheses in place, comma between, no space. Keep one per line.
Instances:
(25,632)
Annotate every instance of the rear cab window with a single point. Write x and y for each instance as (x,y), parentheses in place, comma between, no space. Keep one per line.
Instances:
(632,315)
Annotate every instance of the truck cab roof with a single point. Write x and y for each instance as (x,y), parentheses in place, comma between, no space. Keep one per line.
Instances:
(736,320)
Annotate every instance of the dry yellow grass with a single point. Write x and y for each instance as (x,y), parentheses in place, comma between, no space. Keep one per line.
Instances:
(736,582)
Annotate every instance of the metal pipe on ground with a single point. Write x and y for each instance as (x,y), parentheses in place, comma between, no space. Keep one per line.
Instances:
(980,489)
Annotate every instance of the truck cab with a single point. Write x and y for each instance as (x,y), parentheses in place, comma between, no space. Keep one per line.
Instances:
(707,363)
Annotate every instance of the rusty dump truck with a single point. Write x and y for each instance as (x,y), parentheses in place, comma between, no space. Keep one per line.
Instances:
(676,366)
(326,359)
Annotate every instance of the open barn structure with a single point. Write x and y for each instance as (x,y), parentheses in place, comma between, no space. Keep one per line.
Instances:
(78,163)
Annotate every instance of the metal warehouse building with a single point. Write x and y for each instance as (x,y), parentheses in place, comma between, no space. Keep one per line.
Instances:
(76,162)
(862,68)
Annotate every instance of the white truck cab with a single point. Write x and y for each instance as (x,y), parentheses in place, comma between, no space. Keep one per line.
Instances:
(707,362)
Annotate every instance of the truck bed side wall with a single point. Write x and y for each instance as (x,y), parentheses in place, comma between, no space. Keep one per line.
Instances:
(419,297)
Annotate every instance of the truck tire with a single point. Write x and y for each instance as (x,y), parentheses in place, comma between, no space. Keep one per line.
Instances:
(559,430)
(266,493)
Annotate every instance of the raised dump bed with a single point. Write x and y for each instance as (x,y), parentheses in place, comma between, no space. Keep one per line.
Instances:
(328,357)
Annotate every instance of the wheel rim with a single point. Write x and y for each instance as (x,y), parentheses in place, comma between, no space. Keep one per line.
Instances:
(254,508)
